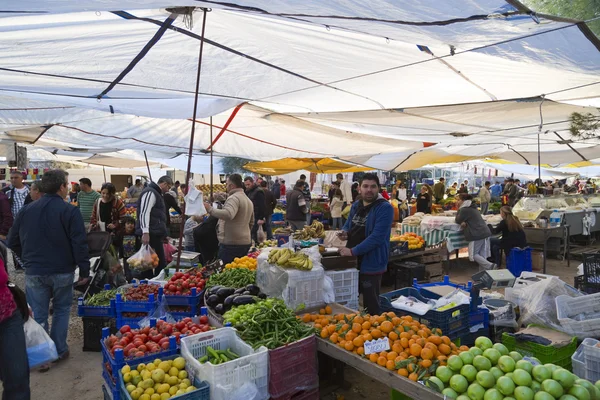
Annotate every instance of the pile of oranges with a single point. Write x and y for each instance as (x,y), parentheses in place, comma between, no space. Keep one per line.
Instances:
(415,349)
(244,262)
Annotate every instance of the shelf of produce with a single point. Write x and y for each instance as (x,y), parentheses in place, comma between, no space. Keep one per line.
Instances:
(391,379)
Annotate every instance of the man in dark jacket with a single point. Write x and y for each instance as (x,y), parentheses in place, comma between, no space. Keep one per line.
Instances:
(511,191)
(296,207)
(49,237)
(6,217)
(151,222)
(270,204)
(276,190)
(368,233)
(257,196)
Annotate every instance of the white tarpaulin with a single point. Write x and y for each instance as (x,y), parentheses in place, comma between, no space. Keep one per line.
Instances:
(366,82)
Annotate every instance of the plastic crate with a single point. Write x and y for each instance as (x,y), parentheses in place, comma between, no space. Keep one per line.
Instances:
(406,272)
(519,261)
(313,394)
(96,311)
(134,323)
(293,368)
(353,305)
(479,317)
(135,306)
(224,379)
(282,239)
(277,217)
(345,285)
(423,288)
(453,322)
(92,331)
(304,287)
(591,355)
(398,248)
(202,392)
(192,300)
(546,354)
(109,388)
(591,268)
(578,362)
(580,284)
(579,315)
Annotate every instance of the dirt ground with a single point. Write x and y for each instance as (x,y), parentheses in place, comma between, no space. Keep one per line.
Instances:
(80,377)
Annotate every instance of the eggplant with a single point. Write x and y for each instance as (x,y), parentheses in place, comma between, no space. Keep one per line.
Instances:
(229,300)
(247,293)
(212,301)
(253,289)
(225,292)
(240,291)
(241,300)
(262,296)
(214,289)
(220,309)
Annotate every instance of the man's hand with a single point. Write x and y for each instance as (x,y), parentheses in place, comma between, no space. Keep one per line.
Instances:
(3,237)
(345,252)
(208,206)
(343,235)
(260,221)
(111,226)
(463,225)
(83,281)
(146,238)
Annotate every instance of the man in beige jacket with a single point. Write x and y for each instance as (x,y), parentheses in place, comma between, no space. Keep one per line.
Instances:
(236,219)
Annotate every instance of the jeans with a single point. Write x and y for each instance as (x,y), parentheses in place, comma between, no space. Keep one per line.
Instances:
(308,217)
(297,225)
(370,286)
(496,250)
(337,223)
(40,289)
(228,252)
(484,208)
(14,366)
(267,227)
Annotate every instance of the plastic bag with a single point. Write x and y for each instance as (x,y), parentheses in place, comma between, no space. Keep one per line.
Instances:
(160,311)
(194,201)
(328,290)
(144,259)
(170,251)
(261,236)
(40,348)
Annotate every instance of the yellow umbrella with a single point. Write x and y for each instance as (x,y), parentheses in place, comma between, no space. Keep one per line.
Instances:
(317,165)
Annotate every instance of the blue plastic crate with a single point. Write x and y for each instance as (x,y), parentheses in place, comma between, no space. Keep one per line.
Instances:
(192,300)
(96,311)
(134,323)
(519,260)
(276,217)
(453,322)
(481,316)
(282,239)
(136,306)
(109,388)
(202,391)
(423,287)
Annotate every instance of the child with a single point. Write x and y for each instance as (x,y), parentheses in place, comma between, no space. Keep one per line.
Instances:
(128,243)
(336,209)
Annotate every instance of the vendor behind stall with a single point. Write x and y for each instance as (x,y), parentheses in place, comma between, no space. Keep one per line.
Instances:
(513,235)
(476,232)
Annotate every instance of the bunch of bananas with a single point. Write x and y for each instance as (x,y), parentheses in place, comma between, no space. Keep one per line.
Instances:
(268,243)
(314,231)
(286,258)
(282,231)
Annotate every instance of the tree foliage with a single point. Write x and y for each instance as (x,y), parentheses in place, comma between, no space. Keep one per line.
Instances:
(581,10)
(584,126)
(232,165)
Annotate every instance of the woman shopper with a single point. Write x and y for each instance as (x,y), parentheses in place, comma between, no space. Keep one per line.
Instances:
(476,231)
(108,211)
(14,364)
(513,235)
(336,209)
(424,201)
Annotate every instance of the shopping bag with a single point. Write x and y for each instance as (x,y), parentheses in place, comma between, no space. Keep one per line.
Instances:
(145,259)
(40,348)
(194,201)
(261,236)
(170,250)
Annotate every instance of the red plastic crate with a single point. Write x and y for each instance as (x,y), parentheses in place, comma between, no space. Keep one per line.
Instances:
(293,369)
(312,394)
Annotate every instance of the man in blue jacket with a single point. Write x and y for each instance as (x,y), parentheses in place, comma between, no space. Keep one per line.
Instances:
(49,237)
(368,233)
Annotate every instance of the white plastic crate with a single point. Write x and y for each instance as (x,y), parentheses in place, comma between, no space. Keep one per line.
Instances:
(345,285)
(579,316)
(591,355)
(224,379)
(353,305)
(578,362)
(304,287)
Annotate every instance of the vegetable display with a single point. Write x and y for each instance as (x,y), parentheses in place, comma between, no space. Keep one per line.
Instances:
(141,292)
(221,298)
(181,283)
(233,277)
(101,299)
(246,262)
(216,357)
(268,323)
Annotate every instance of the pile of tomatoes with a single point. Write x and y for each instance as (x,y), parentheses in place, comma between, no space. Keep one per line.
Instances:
(141,292)
(137,343)
(181,283)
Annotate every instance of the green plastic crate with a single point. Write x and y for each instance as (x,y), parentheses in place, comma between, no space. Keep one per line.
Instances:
(546,354)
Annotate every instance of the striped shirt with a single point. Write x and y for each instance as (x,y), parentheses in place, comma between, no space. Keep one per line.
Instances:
(85,202)
(147,201)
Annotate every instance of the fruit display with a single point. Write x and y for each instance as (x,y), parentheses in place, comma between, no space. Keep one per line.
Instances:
(489,371)
(254,253)
(158,380)
(181,283)
(316,230)
(286,258)
(131,211)
(205,189)
(137,343)
(244,262)
(282,231)
(221,298)
(415,349)
(232,277)
(415,241)
(268,243)
(141,292)
(267,323)
(216,357)
(102,298)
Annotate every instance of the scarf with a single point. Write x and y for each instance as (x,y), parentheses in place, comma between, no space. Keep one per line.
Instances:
(465,204)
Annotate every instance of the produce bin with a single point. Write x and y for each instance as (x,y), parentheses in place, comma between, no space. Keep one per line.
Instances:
(92,331)
(546,354)
(109,388)
(277,217)
(591,355)
(519,261)
(579,315)
(345,285)
(398,248)
(135,306)
(453,322)
(578,362)
(423,288)
(202,391)
(96,311)
(407,272)
(224,379)
(282,239)
(133,322)
(192,300)
(478,317)
(293,368)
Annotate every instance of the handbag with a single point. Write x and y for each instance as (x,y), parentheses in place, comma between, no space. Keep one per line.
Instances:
(20,300)
(101,225)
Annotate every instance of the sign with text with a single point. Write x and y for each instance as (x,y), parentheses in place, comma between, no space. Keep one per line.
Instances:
(376,346)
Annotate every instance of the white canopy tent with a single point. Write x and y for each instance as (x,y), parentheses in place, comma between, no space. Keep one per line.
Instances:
(370,83)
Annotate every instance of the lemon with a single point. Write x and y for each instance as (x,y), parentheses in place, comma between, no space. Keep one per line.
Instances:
(151,367)
(145,374)
(190,389)
(183,386)
(165,396)
(134,373)
(149,391)
(125,369)
(173,390)
(173,371)
(179,363)
(164,366)
(172,380)
(179,393)
(156,362)
(164,388)
(135,395)
(141,367)
(155,396)
(130,388)
(127,377)
(144,397)
(186,381)
(182,374)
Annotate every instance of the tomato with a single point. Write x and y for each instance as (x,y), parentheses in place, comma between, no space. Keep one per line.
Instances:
(179,325)
(143,348)
(146,330)
(165,346)
(163,340)
(144,337)
(177,335)
(139,354)
(204,319)
(186,285)
(156,338)
(187,319)
(137,343)
(205,328)
(184,331)
(125,328)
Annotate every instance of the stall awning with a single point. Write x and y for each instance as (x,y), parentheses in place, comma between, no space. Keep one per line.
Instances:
(317,165)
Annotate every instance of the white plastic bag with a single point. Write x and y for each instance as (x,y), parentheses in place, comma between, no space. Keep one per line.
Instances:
(40,348)
(145,259)
(261,236)
(194,201)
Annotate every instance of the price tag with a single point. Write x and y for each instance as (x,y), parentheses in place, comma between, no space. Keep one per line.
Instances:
(376,346)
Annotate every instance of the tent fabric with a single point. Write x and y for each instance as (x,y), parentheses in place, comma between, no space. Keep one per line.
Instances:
(288,165)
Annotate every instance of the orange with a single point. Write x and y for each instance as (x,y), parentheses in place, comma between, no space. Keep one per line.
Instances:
(373,357)
(411,367)
(426,354)
(415,350)
(398,359)
(396,321)
(360,350)
(334,337)
(376,333)
(444,349)
(404,335)
(358,341)
(349,346)
(367,337)
(306,318)
(328,309)
(404,355)
(404,342)
(426,363)
(446,340)
(403,372)
(383,354)
(437,340)
(407,318)
(356,327)
(464,348)
(324,333)
(386,326)
(391,365)
(331,328)
(322,311)
(413,377)
(350,336)
(318,326)
(392,355)
(382,361)
(397,348)
(358,319)
(366,325)
(393,335)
